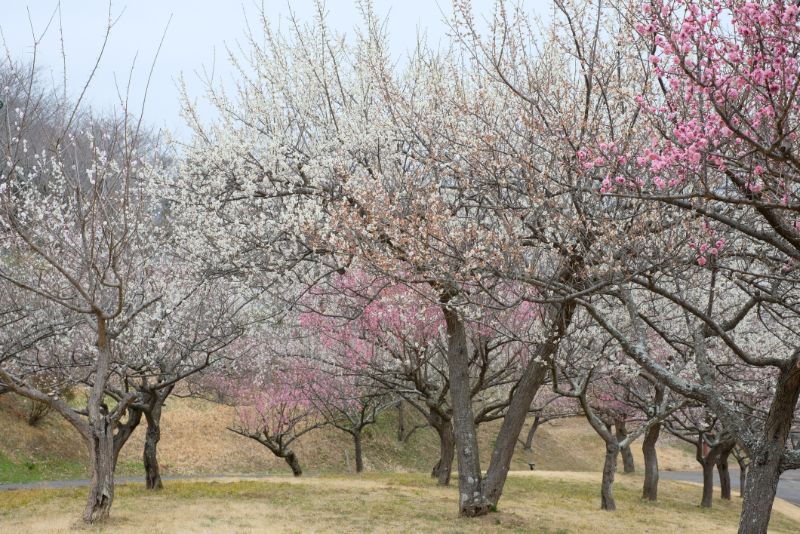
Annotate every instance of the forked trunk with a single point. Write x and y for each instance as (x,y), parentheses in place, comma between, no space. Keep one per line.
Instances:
(650,486)
(151,439)
(607,488)
(471,501)
(533,377)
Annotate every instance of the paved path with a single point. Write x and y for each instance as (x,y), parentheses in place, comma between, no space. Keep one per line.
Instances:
(788,487)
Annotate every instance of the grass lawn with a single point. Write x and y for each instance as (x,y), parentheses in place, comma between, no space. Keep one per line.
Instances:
(547,502)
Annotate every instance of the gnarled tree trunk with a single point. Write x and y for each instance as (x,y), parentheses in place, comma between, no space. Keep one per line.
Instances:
(759,493)
(151,439)
(650,486)
(125,430)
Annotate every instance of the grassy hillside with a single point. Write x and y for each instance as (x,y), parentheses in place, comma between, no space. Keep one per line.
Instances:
(195,441)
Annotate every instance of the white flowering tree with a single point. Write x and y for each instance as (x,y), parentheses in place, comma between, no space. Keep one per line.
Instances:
(78,226)
(459,172)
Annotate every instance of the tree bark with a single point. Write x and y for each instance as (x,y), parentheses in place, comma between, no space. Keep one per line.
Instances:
(627,455)
(724,473)
(125,430)
(101,487)
(708,483)
(650,486)
(532,378)
(444,467)
(401,421)
(358,452)
(152,437)
(471,500)
(528,445)
(448,451)
(101,437)
(742,461)
(759,493)
(609,468)
(766,456)
(294,464)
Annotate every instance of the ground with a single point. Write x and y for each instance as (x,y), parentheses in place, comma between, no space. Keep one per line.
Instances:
(396,494)
(547,502)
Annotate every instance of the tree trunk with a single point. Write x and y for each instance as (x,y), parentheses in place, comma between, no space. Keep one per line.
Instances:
(759,493)
(764,469)
(444,467)
(533,377)
(528,445)
(101,489)
(471,500)
(724,473)
(609,468)
(650,487)
(742,461)
(358,452)
(708,483)
(125,430)
(151,439)
(291,459)
(627,455)
(100,437)
(401,421)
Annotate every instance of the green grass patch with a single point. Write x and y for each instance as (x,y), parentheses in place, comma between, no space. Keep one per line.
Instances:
(37,469)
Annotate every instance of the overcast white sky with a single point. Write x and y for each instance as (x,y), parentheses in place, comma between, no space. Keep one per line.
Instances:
(197,36)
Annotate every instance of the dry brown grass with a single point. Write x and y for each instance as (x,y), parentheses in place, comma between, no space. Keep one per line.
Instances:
(533,502)
(195,441)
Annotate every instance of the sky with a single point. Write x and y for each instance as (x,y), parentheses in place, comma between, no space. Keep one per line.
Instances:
(196,34)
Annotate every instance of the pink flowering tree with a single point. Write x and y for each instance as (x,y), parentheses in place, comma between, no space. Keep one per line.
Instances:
(719,157)
(273,408)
